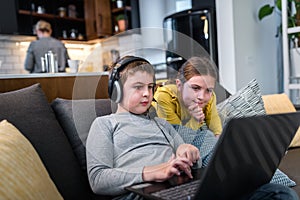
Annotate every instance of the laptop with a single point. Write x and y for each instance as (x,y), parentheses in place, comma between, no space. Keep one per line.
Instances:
(246,156)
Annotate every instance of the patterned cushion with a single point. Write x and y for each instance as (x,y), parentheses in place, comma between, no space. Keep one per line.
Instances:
(23,175)
(203,139)
(246,102)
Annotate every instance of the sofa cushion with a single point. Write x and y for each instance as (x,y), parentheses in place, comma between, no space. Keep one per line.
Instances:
(23,175)
(29,111)
(76,117)
(280,103)
(245,102)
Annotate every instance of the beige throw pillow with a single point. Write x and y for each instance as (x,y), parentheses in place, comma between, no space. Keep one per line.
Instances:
(23,175)
(280,103)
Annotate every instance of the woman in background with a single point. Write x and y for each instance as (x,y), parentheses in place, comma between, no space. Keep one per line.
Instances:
(38,48)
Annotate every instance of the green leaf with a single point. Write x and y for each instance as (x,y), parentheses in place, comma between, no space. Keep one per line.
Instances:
(265,11)
(278,4)
(291,21)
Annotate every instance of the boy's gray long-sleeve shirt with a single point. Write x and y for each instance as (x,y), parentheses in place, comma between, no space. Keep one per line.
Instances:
(120,145)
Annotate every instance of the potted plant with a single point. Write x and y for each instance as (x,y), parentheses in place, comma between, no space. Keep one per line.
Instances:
(293,17)
(268,9)
(121,20)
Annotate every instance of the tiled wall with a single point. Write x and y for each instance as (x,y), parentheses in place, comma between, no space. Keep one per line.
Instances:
(93,55)
(11,57)
(12,54)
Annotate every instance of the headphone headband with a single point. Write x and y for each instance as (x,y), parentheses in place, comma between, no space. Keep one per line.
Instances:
(121,64)
(115,76)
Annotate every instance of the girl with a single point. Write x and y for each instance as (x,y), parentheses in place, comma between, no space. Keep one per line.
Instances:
(191,102)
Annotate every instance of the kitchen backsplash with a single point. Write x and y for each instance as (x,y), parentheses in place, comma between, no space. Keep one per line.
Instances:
(94,55)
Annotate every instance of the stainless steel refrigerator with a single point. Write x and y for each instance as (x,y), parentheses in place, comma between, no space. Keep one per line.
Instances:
(193,32)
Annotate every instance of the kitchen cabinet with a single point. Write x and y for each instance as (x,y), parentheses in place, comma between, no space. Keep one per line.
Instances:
(70,19)
(129,11)
(98,18)
(66,17)
(63,85)
(101,17)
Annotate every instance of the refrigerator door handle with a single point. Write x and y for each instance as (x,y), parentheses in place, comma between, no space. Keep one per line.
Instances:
(173,59)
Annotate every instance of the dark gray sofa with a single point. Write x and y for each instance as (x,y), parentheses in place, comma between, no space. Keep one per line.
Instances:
(58,131)
(29,111)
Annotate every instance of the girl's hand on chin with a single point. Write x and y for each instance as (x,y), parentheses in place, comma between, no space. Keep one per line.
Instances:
(196,112)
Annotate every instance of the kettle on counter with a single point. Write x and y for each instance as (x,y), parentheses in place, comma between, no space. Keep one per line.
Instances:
(49,62)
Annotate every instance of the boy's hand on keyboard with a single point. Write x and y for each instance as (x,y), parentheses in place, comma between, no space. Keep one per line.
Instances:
(168,169)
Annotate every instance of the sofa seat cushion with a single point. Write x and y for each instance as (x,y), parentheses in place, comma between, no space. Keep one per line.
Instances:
(23,175)
(290,165)
(30,112)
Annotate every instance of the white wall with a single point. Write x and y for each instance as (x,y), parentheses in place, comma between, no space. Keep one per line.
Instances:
(152,14)
(247,47)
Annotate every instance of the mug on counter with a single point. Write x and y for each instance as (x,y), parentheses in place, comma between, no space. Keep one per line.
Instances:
(74,65)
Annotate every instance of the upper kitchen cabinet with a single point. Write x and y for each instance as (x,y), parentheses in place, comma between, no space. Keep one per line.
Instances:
(70,19)
(8,17)
(66,17)
(125,15)
(103,17)
(98,18)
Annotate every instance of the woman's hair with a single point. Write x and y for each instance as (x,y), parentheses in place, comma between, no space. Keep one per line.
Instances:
(197,66)
(43,26)
(133,67)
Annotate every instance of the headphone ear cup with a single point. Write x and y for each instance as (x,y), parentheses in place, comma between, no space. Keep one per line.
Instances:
(116,93)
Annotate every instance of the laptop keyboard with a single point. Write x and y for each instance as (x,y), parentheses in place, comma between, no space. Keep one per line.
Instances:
(183,191)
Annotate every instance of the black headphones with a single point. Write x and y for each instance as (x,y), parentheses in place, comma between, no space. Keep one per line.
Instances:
(115,88)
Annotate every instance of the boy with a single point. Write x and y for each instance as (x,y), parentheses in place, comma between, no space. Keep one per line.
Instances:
(129,146)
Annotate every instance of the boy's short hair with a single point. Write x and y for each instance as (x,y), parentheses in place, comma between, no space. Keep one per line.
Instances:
(121,69)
